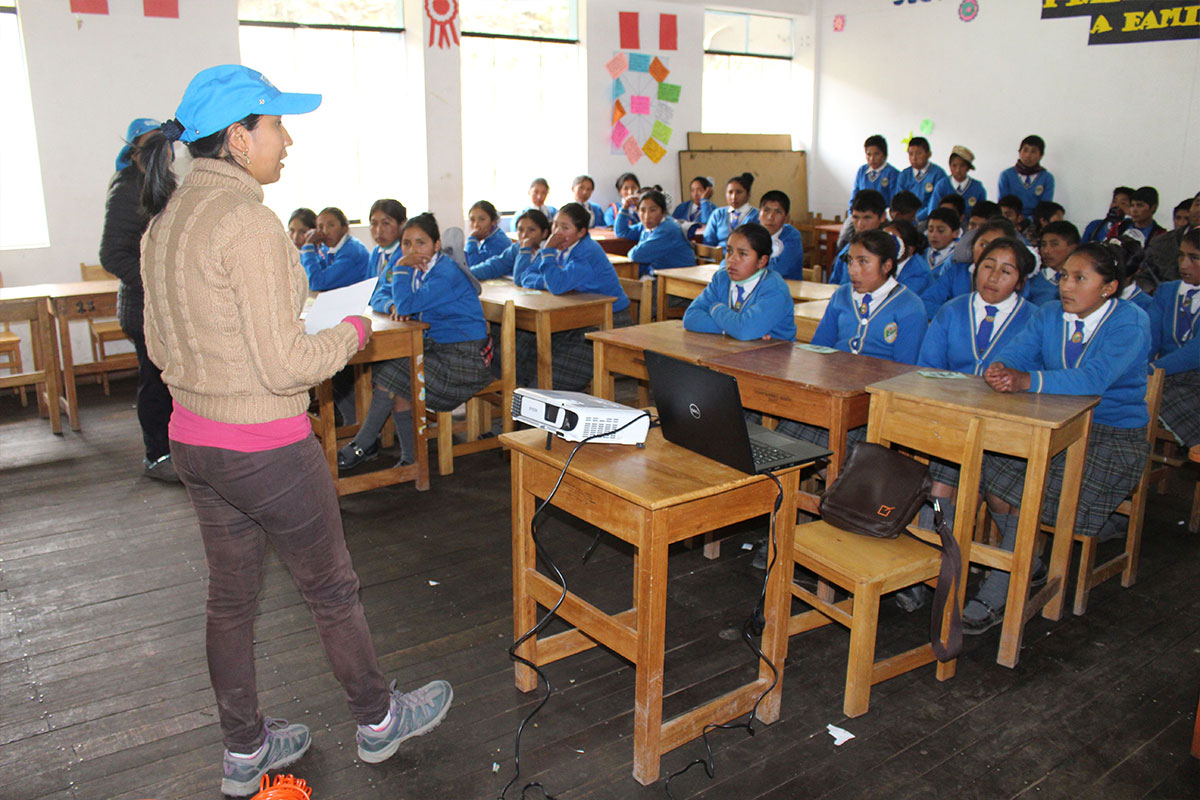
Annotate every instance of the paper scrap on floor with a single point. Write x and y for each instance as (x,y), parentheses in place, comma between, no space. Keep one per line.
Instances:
(840,735)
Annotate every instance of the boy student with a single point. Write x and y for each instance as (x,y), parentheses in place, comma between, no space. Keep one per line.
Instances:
(1058,241)
(1013,211)
(1098,230)
(921,175)
(1028,179)
(876,174)
(1181,216)
(787,249)
(1141,214)
(904,207)
(866,214)
(962,160)
(942,232)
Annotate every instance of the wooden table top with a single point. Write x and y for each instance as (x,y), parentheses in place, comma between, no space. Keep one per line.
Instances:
(67,289)
(837,373)
(499,290)
(615,259)
(972,395)
(671,338)
(703,273)
(814,309)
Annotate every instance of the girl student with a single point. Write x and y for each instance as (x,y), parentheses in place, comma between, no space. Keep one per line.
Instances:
(723,220)
(532,230)
(569,261)
(745,300)
(699,208)
(299,224)
(1089,343)
(582,188)
(957,277)
(486,239)
(787,249)
(427,285)
(331,256)
(1175,343)
(942,232)
(661,243)
(387,218)
(912,269)
(539,189)
(628,186)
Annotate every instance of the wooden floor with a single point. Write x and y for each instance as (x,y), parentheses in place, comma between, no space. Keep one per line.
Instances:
(104,691)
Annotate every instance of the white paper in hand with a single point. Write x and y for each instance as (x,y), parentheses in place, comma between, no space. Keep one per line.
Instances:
(335,305)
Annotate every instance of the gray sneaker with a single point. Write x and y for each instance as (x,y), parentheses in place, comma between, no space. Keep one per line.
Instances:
(413,714)
(284,745)
(161,470)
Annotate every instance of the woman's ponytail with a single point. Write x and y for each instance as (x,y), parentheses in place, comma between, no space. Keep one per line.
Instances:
(156,155)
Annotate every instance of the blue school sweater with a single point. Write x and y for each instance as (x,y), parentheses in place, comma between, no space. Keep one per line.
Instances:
(661,248)
(384,273)
(444,299)
(767,311)
(1040,289)
(886,182)
(547,209)
(893,330)
(493,244)
(585,268)
(949,280)
(1142,300)
(717,231)
(1173,353)
(1113,364)
(595,213)
(950,341)
(349,265)
(610,215)
(973,193)
(790,262)
(514,261)
(1040,188)
(922,187)
(914,273)
(683,211)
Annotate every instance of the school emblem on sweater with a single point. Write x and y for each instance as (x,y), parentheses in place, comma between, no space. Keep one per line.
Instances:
(890,331)
(1077,337)
(883,182)
(442,14)
(1038,191)
(971,201)
(928,187)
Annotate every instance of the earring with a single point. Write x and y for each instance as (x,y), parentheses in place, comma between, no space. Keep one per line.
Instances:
(246,155)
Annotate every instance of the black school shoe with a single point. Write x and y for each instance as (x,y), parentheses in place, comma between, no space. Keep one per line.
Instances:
(352,455)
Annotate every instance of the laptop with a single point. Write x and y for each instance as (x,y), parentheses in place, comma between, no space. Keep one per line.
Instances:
(701,409)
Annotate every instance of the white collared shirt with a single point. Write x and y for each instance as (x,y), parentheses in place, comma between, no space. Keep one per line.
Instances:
(747,285)
(1184,288)
(877,295)
(1004,309)
(938,256)
(338,246)
(777,242)
(919,176)
(741,211)
(1129,291)
(960,187)
(1052,275)
(1091,322)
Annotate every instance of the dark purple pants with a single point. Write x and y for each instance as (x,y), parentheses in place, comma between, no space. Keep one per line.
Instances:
(286,495)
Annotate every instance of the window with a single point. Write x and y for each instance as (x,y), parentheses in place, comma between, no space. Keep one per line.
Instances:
(22,204)
(748,65)
(342,14)
(532,19)
(747,34)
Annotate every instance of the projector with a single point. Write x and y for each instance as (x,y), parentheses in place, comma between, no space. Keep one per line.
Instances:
(576,416)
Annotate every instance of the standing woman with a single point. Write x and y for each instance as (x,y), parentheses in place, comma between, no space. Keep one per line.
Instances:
(224,291)
(120,253)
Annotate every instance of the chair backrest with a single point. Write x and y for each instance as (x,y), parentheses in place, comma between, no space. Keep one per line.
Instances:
(640,292)
(1154,390)
(708,255)
(94,272)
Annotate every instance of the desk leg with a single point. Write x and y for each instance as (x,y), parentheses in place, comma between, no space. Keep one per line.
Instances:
(602,383)
(324,426)
(420,423)
(45,352)
(650,589)
(660,301)
(524,558)
(777,610)
(838,428)
(1064,525)
(68,371)
(545,358)
(1022,557)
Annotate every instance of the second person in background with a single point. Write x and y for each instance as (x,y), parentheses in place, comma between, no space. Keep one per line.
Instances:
(485,239)
(660,242)
(331,256)
(787,249)
(725,219)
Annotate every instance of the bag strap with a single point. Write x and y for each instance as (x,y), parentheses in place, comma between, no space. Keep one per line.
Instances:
(946,592)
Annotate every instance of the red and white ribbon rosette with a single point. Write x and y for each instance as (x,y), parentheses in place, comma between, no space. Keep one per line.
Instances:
(442,14)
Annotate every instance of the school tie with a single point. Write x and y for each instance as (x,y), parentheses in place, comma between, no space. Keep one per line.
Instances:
(1028,180)
(864,308)
(694,213)
(1075,345)
(1183,320)
(741,297)
(983,336)
(558,259)
(872,175)
(733,219)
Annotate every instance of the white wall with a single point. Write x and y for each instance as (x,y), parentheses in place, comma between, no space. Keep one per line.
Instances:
(1110,115)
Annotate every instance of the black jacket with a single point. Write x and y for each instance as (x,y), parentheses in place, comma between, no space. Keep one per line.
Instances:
(120,244)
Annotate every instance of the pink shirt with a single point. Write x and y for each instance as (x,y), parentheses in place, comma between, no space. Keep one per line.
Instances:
(252,437)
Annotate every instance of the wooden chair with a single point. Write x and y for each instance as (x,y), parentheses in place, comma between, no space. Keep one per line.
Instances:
(10,355)
(103,332)
(868,568)
(708,255)
(1167,456)
(498,393)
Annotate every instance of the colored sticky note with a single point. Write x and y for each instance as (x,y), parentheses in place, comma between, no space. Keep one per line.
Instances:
(618,88)
(668,92)
(639,104)
(653,150)
(639,62)
(664,111)
(161,8)
(89,6)
(629,30)
(661,132)
(926,127)
(668,32)
(658,70)
(619,132)
(632,151)
(618,111)
(617,65)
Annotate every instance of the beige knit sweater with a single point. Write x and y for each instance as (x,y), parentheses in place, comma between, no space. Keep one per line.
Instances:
(224,291)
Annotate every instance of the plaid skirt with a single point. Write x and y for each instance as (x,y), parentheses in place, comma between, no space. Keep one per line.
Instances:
(570,354)
(818,435)
(1114,463)
(454,372)
(1180,409)
(944,471)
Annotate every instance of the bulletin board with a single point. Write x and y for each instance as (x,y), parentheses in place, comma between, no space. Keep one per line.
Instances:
(786,171)
(739,141)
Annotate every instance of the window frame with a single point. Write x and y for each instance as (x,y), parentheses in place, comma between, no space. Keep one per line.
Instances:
(745,15)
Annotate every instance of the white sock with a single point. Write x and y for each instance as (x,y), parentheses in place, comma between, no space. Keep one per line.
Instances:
(255,754)
(387,720)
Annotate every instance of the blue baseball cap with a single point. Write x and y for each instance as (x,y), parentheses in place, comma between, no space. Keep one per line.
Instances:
(220,96)
(136,128)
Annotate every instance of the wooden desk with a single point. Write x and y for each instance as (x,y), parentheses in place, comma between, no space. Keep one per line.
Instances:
(689,282)
(72,301)
(31,304)
(649,498)
(620,351)
(623,266)
(1032,426)
(389,340)
(544,313)
(808,317)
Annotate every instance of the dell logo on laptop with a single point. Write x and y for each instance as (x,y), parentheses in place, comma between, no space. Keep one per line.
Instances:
(694,410)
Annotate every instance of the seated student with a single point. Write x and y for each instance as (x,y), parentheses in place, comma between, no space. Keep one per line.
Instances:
(953,278)
(921,176)
(1044,213)
(331,256)
(787,249)
(699,208)
(300,223)
(1058,241)
(1160,258)
(532,230)
(868,214)
(1175,343)
(485,239)
(904,207)
(1181,215)
(1100,230)
(942,231)
(957,204)
(1141,215)
(982,212)
(387,218)
(1134,253)
(1089,344)
(725,219)
(582,188)
(876,173)
(1028,179)
(660,242)
(539,189)
(745,300)
(628,186)
(962,160)
(426,285)
(1012,210)
(569,261)
(912,269)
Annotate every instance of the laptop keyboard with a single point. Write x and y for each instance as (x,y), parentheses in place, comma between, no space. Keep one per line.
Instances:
(764,453)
